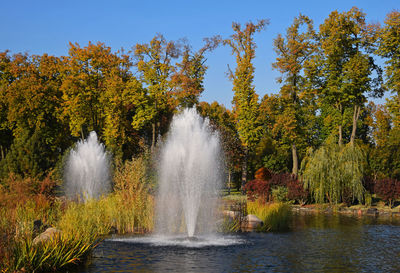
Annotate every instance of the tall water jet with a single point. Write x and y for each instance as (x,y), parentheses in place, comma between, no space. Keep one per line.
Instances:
(189,177)
(87,170)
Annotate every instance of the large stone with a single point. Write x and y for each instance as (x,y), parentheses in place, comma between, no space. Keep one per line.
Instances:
(47,235)
(251,223)
(231,213)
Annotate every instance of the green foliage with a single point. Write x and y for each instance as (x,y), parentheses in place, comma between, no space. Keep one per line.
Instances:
(275,216)
(332,170)
(388,41)
(29,156)
(245,100)
(280,193)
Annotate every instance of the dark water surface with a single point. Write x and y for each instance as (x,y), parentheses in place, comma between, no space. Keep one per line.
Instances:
(316,243)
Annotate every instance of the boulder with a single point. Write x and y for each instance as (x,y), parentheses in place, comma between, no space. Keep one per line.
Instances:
(231,213)
(47,235)
(372,211)
(251,223)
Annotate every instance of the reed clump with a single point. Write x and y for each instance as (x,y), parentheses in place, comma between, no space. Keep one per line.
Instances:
(275,216)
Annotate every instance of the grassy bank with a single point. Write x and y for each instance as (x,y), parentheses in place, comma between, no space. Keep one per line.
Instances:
(80,225)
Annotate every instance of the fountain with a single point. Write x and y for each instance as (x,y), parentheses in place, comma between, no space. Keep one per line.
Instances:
(189,177)
(87,170)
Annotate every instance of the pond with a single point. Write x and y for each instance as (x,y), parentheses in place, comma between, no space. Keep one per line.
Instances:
(316,243)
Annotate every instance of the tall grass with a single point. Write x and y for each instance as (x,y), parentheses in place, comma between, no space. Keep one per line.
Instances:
(22,201)
(126,214)
(58,253)
(275,216)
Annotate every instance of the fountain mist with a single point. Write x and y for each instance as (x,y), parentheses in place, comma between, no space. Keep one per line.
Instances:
(87,171)
(189,177)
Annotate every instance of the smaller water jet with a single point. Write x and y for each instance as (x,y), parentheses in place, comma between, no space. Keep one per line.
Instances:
(87,170)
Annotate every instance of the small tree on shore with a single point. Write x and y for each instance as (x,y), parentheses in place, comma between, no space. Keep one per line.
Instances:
(333,171)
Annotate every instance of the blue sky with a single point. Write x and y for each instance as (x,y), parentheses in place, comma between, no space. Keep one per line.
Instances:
(39,27)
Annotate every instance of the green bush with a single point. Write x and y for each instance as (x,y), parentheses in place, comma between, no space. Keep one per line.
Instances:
(280,193)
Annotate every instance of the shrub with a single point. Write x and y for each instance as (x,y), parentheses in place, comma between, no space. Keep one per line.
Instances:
(280,193)
(258,189)
(281,179)
(369,184)
(275,216)
(388,189)
(296,191)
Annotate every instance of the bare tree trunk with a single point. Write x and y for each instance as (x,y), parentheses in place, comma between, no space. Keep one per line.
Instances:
(2,151)
(295,168)
(340,126)
(229,182)
(340,136)
(153,138)
(244,168)
(356,115)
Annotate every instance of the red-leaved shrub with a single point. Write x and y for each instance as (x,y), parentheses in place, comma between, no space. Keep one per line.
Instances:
(258,189)
(388,189)
(296,191)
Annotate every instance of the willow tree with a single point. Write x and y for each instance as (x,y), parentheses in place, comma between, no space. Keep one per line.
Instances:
(293,51)
(245,99)
(333,171)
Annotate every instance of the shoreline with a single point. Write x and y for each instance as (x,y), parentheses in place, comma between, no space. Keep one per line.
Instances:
(355,211)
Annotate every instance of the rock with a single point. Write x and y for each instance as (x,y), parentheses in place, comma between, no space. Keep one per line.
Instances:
(231,213)
(372,211)
(113,230)
(251,223)
(47,235)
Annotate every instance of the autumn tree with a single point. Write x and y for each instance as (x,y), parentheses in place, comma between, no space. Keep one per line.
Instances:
(154,62)
(344,67)
(293,51)
(118,101)
(245,100)
(223,121)
(84,77)
(189,76)
(388,48)
(31,96)
(5,79)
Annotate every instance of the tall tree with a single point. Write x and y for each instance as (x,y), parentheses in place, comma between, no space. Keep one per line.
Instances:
(189,77)
(293,51)
(245,100)
(344,65)
(84,83)
(154,61)
(388,48)
(30,93)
